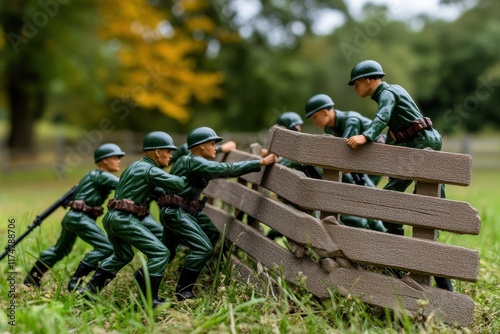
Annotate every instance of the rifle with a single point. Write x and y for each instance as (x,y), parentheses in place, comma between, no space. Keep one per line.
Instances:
(63,201)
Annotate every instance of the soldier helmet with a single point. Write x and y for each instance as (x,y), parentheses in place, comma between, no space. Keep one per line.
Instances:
(201,135)
(366,68)
(289,120)
(158,140)
(318,102)
(106,151)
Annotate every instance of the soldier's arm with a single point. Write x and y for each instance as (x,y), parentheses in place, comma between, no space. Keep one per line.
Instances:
(107,180)
(352,127)
(214,169)
(386,104)
(159,178)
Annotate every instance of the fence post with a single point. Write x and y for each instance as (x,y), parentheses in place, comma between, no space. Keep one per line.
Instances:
(331,175)
(426,189)
(255,149)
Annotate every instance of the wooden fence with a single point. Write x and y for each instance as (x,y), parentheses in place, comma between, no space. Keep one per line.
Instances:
(352,259)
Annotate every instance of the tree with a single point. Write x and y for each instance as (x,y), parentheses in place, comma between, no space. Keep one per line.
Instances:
(38,36)
(157,66)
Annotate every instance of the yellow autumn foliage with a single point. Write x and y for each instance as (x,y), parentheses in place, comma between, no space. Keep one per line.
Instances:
(155,63)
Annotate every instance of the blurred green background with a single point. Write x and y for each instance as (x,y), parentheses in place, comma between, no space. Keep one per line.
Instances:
(88,70)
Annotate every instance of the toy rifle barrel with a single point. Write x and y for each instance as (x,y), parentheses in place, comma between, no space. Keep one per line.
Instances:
(63,201)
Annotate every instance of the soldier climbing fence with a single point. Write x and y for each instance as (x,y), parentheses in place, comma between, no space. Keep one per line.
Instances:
(351,260)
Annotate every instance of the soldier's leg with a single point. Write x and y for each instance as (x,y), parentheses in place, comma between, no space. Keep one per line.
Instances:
(92,234)
(354,221)
(157,230)
(208,227)
(126,234)
(153,226)
(89,232)
(185,226)
(62,248)
(50,257)
(189,232)
(172,241)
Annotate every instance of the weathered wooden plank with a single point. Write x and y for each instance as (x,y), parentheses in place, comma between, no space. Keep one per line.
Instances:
(295,224)
(410,254)
(370,287)
(410,209)
(359,245)
(381,159)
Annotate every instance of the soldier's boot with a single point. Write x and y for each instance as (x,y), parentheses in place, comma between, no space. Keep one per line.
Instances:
(139,279)
(155,286)
(35,275)
(83,270)
(444,283)
(100,279)
(184,288)
(155,281)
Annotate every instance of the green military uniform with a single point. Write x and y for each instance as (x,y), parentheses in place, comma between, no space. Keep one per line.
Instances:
(93,189)
(80,221)
(398,111)
(125,229)
(128,222)
(347,124)
(191,228)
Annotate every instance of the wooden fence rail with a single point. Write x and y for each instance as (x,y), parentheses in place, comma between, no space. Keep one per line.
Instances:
(349,255)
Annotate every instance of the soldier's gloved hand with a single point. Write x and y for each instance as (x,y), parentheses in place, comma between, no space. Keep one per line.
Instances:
(269,160)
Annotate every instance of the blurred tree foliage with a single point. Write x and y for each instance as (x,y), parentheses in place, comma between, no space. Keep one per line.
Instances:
(177,64)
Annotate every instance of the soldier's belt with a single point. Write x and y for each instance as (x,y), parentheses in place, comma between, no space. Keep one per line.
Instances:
(79,205)
(129,206)
(416,126)
(192,207)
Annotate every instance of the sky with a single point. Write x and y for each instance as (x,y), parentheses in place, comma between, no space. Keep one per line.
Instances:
(397,9)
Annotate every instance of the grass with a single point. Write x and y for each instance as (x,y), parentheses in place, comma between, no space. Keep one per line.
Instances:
(225,304)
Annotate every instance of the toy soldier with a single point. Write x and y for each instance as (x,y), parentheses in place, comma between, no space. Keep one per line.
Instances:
(80,221)
(181,214)
(129,208)
(407,126)
(343,124)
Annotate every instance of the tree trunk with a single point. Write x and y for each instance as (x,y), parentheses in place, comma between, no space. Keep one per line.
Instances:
(22,115)
(23,80)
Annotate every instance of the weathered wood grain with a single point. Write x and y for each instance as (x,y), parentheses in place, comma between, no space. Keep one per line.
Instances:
(370,287)
(410,209)
(410,254)
(401,162)
(295,224)
(358,245)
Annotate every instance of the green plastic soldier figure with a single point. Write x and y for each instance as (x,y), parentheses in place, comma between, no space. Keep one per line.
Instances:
(343,124)
(181,214)
(407,126)
(129,208)
(80,221)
